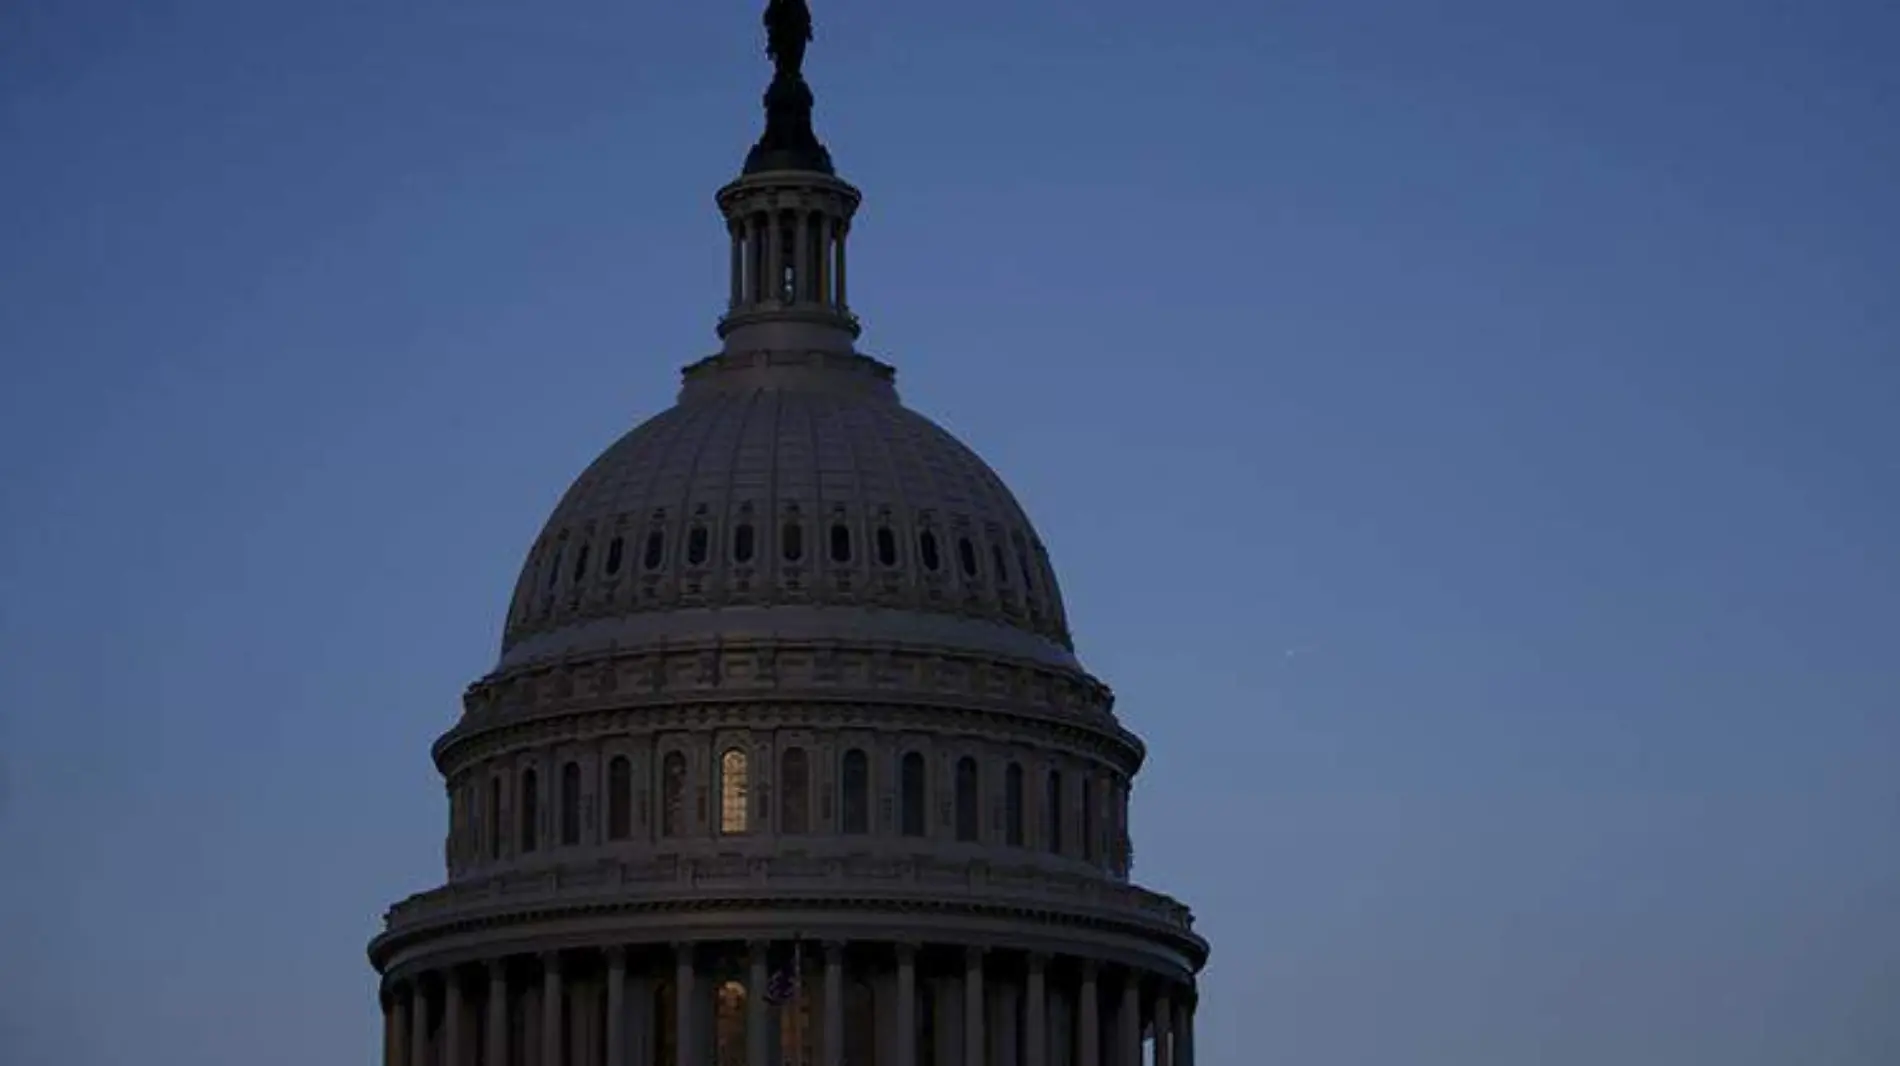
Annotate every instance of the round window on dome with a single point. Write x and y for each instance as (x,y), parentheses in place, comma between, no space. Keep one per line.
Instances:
(656,550)
(696,546)
(927,550)
(966,553)
(614,549)
(580,565)
(792,542)
(886,547)
(840,543)
(742,543)
(996,564)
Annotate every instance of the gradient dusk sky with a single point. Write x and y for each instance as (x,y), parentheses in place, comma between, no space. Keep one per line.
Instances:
(1466,433)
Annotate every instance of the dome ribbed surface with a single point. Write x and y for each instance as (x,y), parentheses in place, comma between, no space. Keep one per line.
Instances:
(808,496)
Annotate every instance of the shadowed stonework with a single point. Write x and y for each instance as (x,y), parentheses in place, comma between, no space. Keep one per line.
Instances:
(788,759)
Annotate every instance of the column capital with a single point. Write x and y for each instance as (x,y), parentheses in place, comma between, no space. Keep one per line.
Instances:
(497,968)
(906,951)
(1090,969)
(757,949)
(973,955)
(550,961)
(1038,961)
(834,950)
(616,955)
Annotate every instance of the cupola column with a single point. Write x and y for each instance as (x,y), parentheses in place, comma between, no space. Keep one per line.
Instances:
(1164,1031)
(736,229)
(756,1018)
(906,1019)
(1129,1019)
(684,1016)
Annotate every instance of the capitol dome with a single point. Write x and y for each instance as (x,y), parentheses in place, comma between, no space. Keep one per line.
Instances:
(787,758)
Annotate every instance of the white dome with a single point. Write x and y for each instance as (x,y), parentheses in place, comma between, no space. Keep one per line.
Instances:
(790,495)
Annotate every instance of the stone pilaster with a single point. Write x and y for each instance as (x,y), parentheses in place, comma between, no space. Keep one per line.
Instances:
(496,1015)
(616,1006)
(1088,1025)
(1036,1014)
(832,1050)
(973,1002)
(551,1013)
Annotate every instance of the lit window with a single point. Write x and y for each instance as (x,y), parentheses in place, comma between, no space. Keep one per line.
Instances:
(733,791)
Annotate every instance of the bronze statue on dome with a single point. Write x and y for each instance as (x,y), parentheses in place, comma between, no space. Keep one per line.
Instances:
(787,29)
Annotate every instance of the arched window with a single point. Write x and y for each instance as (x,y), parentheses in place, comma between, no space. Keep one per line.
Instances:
(886,546)
(673,794)
(619,798)
(696,546)
(1088,818)
(554,568)
(530,810)
(910,778)
(794,782)
(966,800)
(494,817)
(927,550)
(570,804)
(1053,812)
(792,542)
(734,792)
(840,543)
(1013,805)
(966,554)
(997,568)
(856,777)
(580,565)
(742,543)
(614,549)
(656,550)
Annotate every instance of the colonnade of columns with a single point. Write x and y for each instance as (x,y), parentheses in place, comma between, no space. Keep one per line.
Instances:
(788,257)
(725,1004)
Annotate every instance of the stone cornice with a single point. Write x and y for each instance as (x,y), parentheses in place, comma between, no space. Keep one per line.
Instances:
(693,687)
(905,884)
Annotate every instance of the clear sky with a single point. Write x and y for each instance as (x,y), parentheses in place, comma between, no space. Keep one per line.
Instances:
(1465,432)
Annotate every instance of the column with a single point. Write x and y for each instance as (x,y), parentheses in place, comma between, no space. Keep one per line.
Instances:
(906,1005)
(392,1029)
(685,1019)
(755,1016)
(1164,1030)
(453,1053)
(755,259)
(551,1009)
(1184,1030)
(774,258)
(616,1006)
(418,1023)
(842,231)
(1129,1034)
(832,1048)
(497,1016)
(1088,1026)
(973,1001)
(1036,1015)
(736,230)
(821,233)
(803,272)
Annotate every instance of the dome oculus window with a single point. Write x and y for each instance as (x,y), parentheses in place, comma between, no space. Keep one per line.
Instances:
(966,553)
(580,565)
(742,543)
(614,549)
(996,564)
(656,550)
(554,568)
(696,546)
(840,543)
(792,542)
(886,546)
(927,550)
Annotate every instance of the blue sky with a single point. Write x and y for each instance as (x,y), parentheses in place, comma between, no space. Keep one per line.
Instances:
(1464,432)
